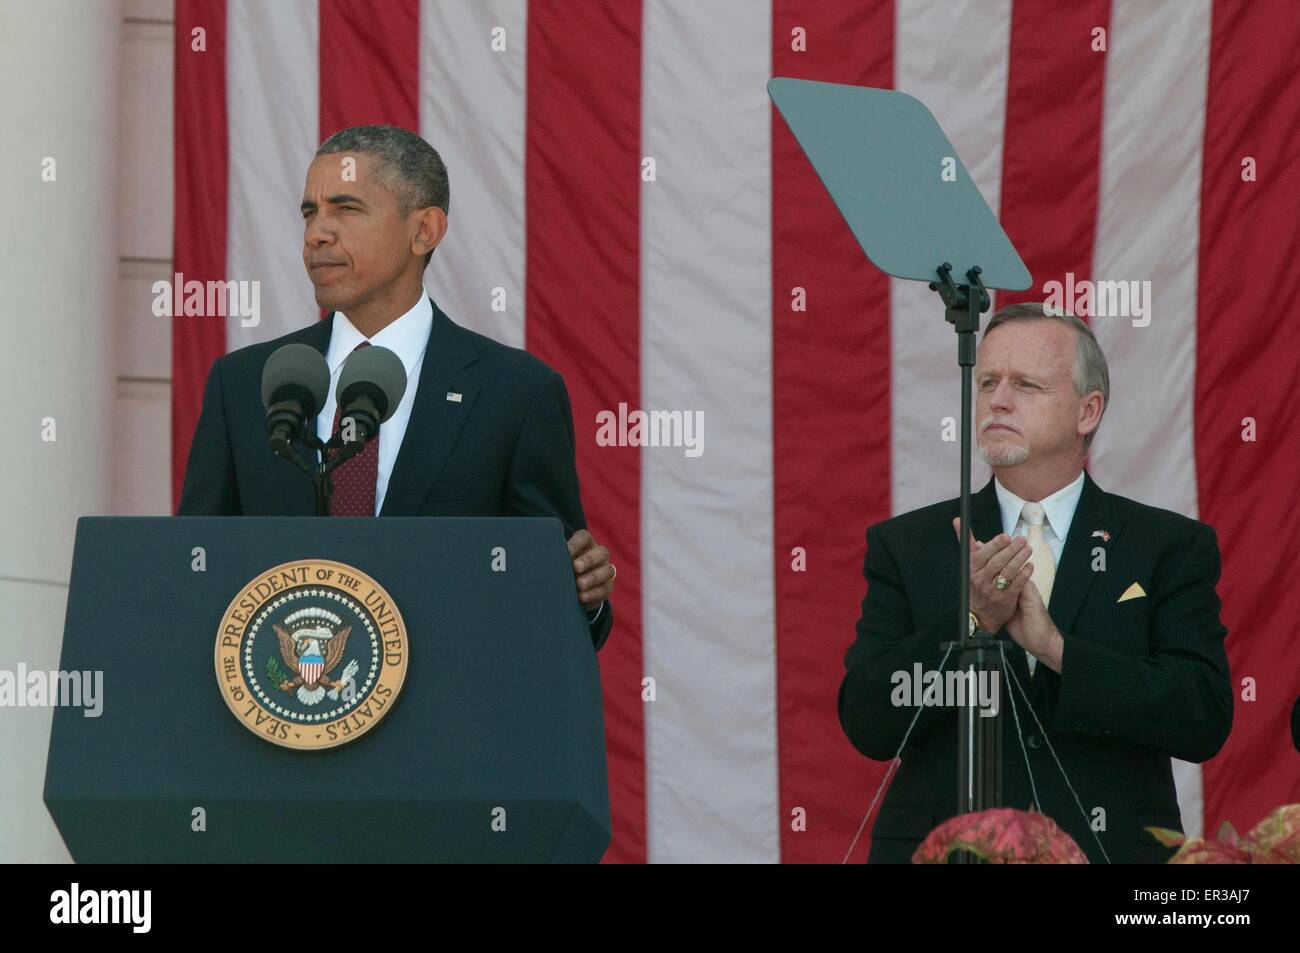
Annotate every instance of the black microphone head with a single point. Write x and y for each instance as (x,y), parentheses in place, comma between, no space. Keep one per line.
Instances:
(296,372)
(376,373)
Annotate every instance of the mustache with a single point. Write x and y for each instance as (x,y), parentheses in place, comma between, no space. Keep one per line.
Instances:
(993,419)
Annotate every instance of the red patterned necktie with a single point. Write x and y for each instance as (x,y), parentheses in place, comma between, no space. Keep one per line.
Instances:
(354,480)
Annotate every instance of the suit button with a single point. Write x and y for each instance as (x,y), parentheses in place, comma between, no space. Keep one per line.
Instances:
(1034,741)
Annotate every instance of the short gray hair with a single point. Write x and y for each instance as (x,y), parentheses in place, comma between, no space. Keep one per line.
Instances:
(407,166)
(1090,370)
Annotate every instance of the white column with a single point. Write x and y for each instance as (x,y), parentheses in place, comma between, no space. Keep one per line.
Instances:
(58,269)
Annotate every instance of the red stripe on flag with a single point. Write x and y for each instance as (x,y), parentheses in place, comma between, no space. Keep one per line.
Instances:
(369,64)
(1247,364)
(1051,154)
(582,164)
(830,435)
(199,229)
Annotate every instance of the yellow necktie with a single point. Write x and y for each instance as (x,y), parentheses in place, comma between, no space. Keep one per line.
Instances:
(1042,558)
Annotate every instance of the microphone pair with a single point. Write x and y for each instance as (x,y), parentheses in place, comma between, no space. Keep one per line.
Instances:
(296,380)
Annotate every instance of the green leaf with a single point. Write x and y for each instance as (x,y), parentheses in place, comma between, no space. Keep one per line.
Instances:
(275,672)
(1167,837)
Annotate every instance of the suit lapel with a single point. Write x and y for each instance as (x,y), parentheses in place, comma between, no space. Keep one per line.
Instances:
(1075,573)
(435,421)
(985,515)
(295,485)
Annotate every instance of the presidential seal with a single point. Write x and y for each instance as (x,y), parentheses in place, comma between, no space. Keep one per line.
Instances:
(311,654)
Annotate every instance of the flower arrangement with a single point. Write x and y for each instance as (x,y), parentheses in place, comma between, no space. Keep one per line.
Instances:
(1274,840)
(1000,835)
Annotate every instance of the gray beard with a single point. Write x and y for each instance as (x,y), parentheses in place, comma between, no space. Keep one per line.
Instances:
(1006,457)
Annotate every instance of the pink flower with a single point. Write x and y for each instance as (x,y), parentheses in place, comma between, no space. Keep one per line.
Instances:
(1001,835)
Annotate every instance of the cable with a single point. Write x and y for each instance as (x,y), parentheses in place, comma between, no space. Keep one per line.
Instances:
(897,759)
(1020,735)
(892,765)
(1060,766)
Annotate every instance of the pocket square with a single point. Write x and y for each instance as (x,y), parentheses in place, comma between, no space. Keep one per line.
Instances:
(1134,591)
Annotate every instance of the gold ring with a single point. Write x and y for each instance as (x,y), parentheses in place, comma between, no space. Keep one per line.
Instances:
(1001,581)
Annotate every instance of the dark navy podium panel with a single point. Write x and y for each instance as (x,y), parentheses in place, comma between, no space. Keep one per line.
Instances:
(499,719)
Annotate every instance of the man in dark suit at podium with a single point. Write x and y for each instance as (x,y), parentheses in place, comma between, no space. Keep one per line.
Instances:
(1108,609)
(482,430)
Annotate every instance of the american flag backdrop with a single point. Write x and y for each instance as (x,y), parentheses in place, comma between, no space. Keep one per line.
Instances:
(627,205)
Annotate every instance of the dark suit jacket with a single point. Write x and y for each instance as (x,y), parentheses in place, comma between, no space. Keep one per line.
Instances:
(1141,680)
(506,449)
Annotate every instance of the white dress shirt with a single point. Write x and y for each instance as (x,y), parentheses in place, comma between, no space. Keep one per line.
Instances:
(407,337)
(1059,509)
(1058,512)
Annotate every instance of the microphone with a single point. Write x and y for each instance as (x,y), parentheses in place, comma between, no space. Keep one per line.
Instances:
(371,385)
(295,383)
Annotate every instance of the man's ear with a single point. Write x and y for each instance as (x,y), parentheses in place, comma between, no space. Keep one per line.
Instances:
(431,226)
(1094,399)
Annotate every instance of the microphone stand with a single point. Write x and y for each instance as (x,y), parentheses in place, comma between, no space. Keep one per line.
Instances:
(319,472)
(979,739)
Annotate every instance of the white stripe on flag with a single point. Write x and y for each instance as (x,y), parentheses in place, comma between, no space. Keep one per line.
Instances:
(965,86)
(273,103)
(706,316)
(1147,230)
(472,111)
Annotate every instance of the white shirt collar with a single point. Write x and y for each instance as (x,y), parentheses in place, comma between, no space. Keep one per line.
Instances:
(407,337)
(1059,507)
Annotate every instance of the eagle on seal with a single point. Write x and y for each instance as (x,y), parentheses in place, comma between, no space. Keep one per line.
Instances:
(312,654)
